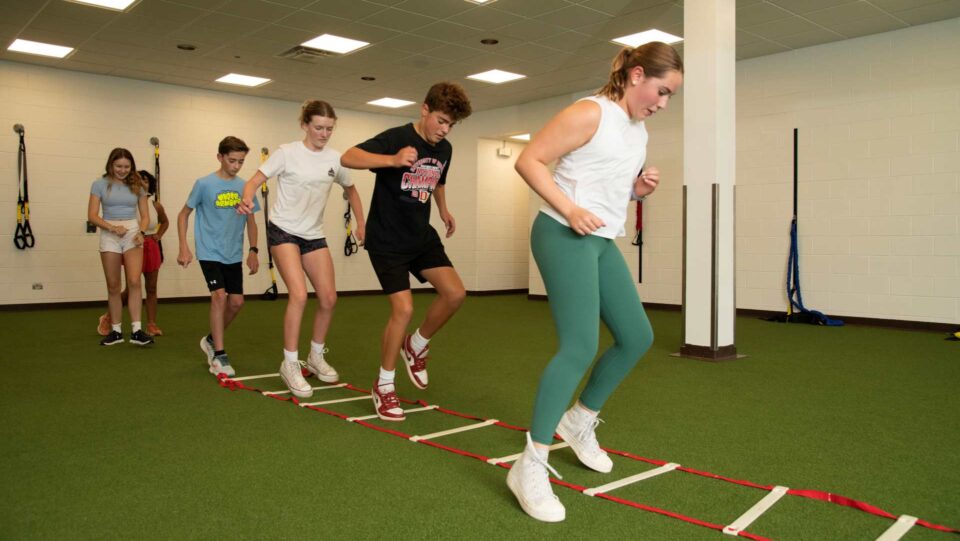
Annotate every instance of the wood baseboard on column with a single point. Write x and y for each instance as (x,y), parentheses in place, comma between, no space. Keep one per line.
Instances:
(704,353)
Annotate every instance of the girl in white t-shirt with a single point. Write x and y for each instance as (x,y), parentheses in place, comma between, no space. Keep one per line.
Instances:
(305,171)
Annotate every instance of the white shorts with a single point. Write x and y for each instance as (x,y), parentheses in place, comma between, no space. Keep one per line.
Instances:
(118,244)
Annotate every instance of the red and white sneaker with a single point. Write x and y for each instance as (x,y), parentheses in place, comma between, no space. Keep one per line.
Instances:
(416,363)
(386,402)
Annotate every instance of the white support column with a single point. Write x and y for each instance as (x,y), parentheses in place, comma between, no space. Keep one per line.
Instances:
(709,143)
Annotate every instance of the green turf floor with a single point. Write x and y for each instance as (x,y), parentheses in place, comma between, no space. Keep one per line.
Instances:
(141,443)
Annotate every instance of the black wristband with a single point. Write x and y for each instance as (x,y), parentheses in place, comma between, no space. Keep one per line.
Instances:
(254,249)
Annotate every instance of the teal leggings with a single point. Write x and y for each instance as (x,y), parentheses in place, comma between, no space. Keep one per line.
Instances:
(586,280)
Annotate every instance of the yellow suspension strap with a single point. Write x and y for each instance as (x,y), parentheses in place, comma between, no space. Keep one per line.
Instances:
(23,237)
(350,246)
(272,292)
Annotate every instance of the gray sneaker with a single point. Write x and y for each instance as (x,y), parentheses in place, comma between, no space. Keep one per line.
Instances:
(220,364)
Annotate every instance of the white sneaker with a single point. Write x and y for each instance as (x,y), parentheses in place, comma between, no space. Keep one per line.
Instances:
(578,429)
(318,366)
(530,483)
(292,377)
(206,345)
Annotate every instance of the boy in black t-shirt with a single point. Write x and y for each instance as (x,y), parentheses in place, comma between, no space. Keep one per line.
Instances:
(411,164)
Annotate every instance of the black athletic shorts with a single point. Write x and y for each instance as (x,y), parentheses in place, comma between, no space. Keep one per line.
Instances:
(222,276)
(276,236)
(393,269)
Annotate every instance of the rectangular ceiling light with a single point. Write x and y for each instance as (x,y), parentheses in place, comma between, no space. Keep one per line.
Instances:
(638,39)
(481,2)
(521,137)
(42,49)
(242,80)
(335,44)
(392,103)
(496,76)
(116,5)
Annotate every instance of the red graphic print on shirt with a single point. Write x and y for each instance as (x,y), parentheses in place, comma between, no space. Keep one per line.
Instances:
(422,178)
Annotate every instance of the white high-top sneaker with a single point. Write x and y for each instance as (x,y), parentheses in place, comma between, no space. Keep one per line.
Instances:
(319,367)
(292,377)
(530,483)
(578,429)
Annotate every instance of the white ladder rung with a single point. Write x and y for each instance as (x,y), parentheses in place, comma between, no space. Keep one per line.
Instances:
(488,422)
(261,376)
(287,391)
(669,467)
(337,401)
(511,458)
(754,512)
(898,529)
(374,416)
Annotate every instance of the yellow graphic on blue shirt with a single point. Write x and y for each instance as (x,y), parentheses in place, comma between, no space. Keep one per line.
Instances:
(227,199)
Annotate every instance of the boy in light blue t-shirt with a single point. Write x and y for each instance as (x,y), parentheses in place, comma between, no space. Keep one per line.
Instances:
(218,233)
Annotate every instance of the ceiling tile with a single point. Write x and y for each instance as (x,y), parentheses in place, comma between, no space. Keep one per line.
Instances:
(939,11)
(574,17)
(865,27)
(75,12)
(255,9)
(568,41)
(447,31)
(315,23)
(758,14)
(398,20)
(759,48)
(808,38)
(166,11)
(485,19)
(787,26)
(624,7)
(807,6)
(843,13)
(351,10)
(436,10)
(529,30)
(526,8)
(217,27)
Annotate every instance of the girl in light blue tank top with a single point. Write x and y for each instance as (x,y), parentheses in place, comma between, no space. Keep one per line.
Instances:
(121,195)
(600,147)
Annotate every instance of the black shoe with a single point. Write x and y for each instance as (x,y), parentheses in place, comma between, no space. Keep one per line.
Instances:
(113,338)
(141,338)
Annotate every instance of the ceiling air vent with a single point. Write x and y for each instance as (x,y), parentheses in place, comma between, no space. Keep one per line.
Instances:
(305,54)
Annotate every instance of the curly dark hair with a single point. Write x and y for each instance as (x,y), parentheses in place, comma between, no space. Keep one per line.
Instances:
(449,98)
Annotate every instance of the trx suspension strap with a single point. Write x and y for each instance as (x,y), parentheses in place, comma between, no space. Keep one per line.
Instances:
(156,164)
(271,293)
(23,237)
(350,245)
(638,240)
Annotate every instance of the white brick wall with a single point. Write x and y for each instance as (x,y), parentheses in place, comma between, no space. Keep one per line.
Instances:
(74,119)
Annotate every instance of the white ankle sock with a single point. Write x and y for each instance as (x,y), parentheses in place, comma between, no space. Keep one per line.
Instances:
(418,342)
(583,412)
(386,376)
(290,356)
(317,348)
(116,327)
(135,326)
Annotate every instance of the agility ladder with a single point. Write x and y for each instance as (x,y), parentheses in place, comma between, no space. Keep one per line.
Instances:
(901,525)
